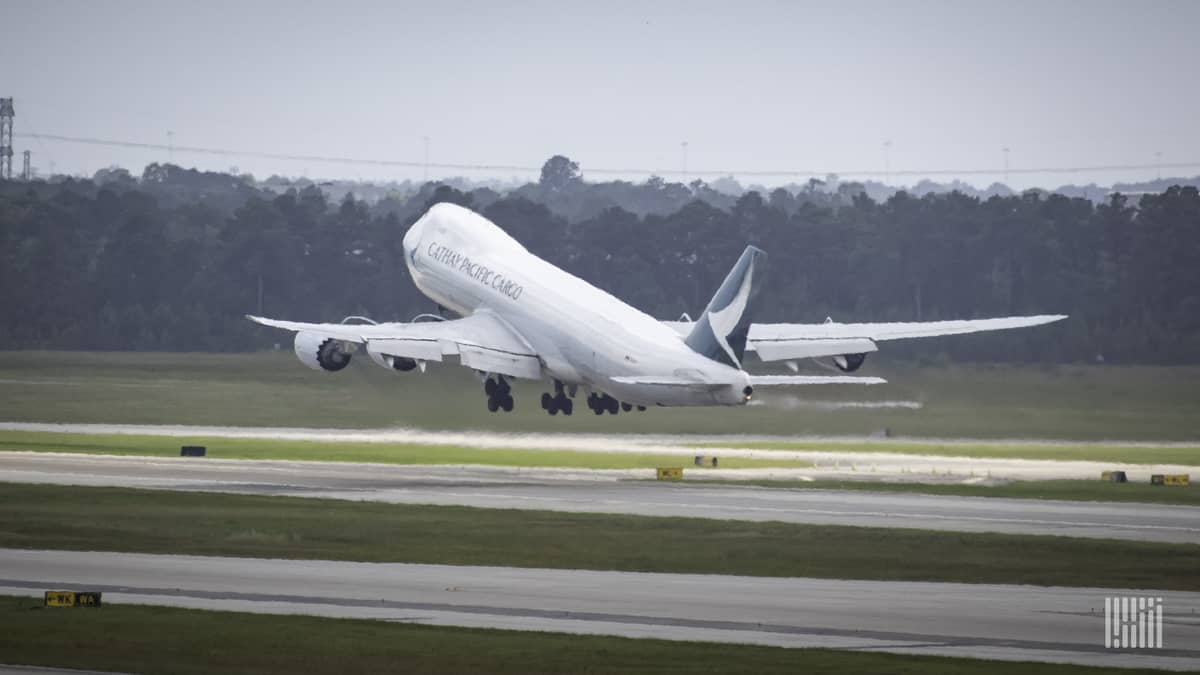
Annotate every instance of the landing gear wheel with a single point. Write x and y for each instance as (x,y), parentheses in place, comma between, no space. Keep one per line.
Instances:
(641,408)
(493,404)
(557,403)
(626,407)
(489,387)
(507,403)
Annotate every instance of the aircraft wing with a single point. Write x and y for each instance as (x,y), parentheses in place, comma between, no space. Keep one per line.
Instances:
(482,341)
(780,341)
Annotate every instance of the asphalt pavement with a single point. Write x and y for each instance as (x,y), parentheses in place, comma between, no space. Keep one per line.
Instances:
(585,491)
(980,621)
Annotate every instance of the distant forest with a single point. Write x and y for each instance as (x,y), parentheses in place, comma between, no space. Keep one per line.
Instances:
(172,259)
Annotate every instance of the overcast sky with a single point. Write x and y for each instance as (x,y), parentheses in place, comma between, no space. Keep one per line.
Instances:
(761,86)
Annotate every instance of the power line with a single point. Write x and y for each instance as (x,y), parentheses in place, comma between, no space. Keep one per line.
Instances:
(795,173)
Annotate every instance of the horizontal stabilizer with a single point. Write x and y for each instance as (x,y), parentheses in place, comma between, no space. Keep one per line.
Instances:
(800,380)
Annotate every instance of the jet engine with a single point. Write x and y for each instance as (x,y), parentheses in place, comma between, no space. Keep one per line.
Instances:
(321,352)
(400,363)
(848,363)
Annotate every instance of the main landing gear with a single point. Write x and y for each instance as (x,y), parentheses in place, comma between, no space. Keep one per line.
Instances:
(558,401)
(603,403)
(499,394)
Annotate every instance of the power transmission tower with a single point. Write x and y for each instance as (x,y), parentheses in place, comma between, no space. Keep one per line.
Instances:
(6,124)
(887,162)
(425,174)
(26,171)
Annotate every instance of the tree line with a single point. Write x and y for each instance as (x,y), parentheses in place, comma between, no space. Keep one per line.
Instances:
(171,260)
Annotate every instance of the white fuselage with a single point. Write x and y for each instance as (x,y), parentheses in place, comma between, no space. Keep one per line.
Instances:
(583,335)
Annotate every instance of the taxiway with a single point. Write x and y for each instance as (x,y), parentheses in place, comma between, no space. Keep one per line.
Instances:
(979,621)
(585,491)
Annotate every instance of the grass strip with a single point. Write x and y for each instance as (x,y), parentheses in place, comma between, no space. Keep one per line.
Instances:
(1081,402)
(1187,455)
(1076,490)
(144,639)
(150,521)
(388,453)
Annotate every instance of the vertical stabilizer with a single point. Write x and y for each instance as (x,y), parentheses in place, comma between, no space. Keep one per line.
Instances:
(720,333)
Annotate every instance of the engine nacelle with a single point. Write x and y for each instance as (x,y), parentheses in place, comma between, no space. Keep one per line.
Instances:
(848,363)
(321,352)
(400,363)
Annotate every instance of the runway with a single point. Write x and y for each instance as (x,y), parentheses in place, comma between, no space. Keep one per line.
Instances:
(979,621)
(604,492)
(828,459)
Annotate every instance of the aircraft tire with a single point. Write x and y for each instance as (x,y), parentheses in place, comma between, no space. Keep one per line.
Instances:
(568,406)
(548,403)
(626,407)
(507,403)
(493,404)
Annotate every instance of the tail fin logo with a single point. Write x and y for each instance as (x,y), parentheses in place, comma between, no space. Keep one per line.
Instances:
(721,332)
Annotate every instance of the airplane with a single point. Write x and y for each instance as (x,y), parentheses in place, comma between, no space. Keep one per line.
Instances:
(522,317)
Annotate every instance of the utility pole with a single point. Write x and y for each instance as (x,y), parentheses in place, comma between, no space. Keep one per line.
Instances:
(683,145)
(170,147)
(26,171)
(1006,166)
(6,135)
(887,162)
(425,176)
(1158,163)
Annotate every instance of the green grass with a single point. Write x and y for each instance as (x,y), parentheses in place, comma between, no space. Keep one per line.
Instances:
(1078,490)
(273,389)
(390,453)
(142,639)
(149,521)
(1188,455)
